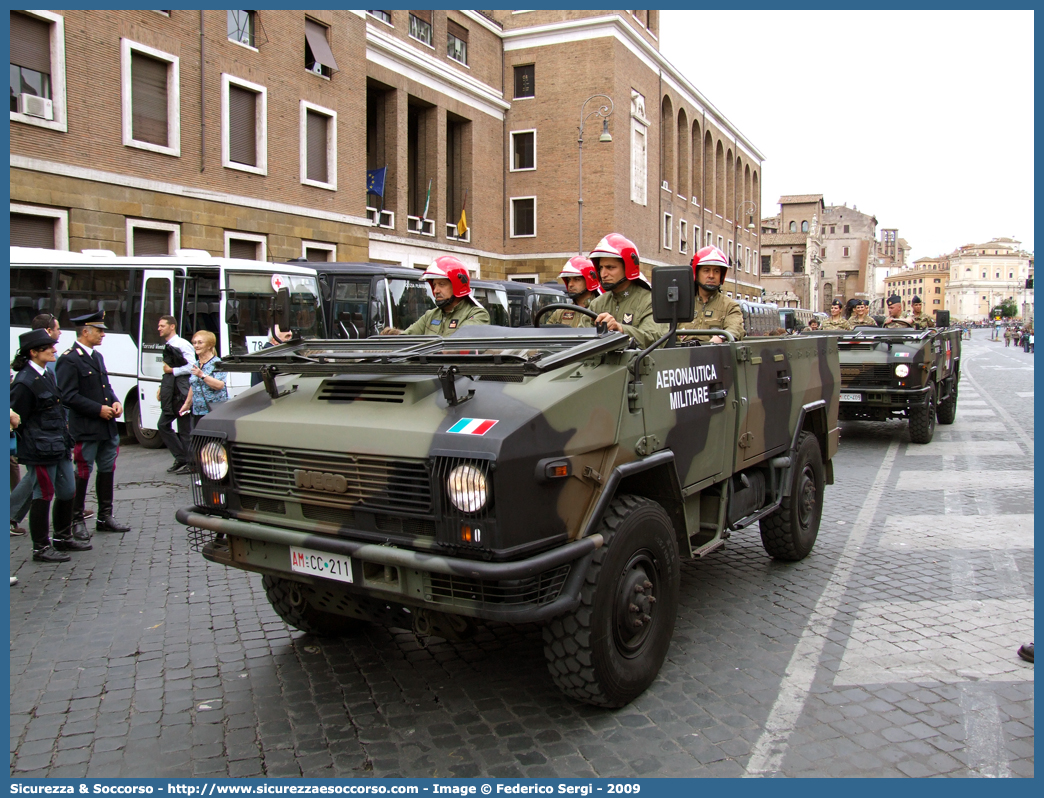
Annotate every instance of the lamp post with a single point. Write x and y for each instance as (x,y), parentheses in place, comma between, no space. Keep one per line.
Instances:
(604,111)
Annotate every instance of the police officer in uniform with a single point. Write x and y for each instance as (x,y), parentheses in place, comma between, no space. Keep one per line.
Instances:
(895,313)
(836,320)
(93,410)
(714,310)
(920,319)
(582,285)
(455,303)
(626,305)
(861,315)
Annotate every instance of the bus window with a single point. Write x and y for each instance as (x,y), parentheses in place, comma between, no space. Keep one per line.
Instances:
(202,306)
(30,294)
(350,304)
(255,294)
(157,303)
(82,291)
(411,299)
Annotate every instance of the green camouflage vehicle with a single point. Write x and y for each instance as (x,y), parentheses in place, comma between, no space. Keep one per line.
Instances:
(900,372)
(551,475)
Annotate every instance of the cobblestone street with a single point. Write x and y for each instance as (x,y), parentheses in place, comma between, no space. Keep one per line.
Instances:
(889,651)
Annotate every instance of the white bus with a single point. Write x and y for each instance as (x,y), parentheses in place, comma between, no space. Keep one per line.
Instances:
(202,292)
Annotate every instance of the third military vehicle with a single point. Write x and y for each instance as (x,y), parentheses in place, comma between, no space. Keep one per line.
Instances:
(555,476)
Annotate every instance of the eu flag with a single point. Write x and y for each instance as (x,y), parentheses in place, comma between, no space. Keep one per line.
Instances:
(375,181)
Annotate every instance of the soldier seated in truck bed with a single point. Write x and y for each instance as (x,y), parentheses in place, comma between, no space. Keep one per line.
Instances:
(626,305)
(714,310)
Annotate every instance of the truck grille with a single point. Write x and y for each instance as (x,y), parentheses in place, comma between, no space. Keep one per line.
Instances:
(378,483)
(350,391)
(866,374)
(462,591)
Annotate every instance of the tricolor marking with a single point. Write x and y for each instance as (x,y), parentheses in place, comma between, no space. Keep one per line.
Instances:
(473,426)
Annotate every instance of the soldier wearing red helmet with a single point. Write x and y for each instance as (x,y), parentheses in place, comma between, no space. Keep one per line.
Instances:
(626,305)
(455,306)
(582,285)
(714,310)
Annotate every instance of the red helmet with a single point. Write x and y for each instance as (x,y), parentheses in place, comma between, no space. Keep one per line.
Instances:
(710,256)
(579,266)
(447,267)
(615,245)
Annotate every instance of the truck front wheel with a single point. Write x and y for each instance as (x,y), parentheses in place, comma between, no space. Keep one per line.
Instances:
(947,410)
(609,649)
(290,601)
(922,419)
(791,531)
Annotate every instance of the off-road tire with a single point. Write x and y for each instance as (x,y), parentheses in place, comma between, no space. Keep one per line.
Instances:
(146,438)
(922,419)
(595,653)
(790,532)
(289,600)
(947,409)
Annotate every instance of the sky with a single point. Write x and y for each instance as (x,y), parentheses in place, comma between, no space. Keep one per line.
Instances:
(924,119)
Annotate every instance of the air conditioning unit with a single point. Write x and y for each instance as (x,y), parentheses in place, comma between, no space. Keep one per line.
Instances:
(31,105)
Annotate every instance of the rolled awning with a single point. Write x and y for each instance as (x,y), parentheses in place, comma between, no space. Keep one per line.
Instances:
(315,35)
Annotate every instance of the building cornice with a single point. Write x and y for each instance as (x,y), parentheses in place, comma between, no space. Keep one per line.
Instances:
(398,56)
(617,27)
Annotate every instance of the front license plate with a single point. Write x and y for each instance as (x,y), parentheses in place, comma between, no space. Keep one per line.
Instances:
(851,397)
(321,563)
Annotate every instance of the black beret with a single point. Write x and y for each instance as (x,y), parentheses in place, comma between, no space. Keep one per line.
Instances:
(916,300)
(895,299)
(838,303)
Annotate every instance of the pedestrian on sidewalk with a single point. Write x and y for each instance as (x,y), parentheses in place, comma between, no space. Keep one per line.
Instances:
(178,357)
(207,386)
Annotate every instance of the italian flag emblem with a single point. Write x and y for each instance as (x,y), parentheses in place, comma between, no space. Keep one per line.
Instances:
(472,426)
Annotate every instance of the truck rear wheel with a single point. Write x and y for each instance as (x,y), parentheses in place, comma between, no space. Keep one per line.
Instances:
(146,438)
(922,419)
(947,411)
(609,649)
(791,531)
(289,600)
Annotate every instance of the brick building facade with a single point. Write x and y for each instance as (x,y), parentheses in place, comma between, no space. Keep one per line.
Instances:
(251,134)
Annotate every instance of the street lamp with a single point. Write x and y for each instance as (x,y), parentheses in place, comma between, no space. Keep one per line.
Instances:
(604,111)
(750,214)
(750,227)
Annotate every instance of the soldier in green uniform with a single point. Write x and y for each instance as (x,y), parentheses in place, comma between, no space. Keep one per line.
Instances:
(626,305)
(861,315)
(895,313)
(581,283)
(455,305)
(836,320)
(920,319)
(714,310)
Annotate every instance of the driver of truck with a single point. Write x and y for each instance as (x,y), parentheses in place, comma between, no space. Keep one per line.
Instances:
(582,285)
(895,313)
(455,304)
(861,315)
(836,320)
(626,305)
(714,310)
(920,319)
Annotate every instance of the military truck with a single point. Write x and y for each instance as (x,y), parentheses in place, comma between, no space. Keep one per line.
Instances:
(551,475)
(898,372)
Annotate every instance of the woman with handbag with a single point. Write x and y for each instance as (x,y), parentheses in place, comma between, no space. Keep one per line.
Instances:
(206,384)
(45,445)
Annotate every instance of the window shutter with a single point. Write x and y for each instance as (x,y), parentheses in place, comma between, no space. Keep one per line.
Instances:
(316,255)
(315,35)
(425,15)
(32,231)
(30,43)
(151,242)
(240,248)
(316,129)
(457,30)
(242,124)
(149,99)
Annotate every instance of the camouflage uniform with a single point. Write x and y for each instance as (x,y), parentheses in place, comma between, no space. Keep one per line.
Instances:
(720,313)
(570,318)
(632,309)
(840,323)
(438,322)
(901,322)
(869,321)
(923,321)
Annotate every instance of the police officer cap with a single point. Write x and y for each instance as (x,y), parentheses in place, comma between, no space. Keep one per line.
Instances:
(838,303)
(895,299)
(34,339)
(916,300)
(96,319)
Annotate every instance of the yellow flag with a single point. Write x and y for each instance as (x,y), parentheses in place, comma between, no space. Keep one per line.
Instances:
(462,225)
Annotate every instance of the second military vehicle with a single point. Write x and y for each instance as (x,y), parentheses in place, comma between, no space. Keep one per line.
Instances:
(522,475)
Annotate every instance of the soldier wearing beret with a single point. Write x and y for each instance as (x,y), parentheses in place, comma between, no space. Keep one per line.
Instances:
(861,315)
(920,319)
(836,320)
(895,313)
(93,410)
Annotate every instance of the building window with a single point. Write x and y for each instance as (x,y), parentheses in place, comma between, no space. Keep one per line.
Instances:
(832,229)
(799,264)
(938,290)
(246,246)
(523,217)
(746,259)
(822,252)
(755,262)
(668,231)
(38,69)
(241,27)
(456,42)
(793,227)
(420,26)
(318,136)
(383,16)
(33,226)
(146,237)
(710,238)
(525,81)
(151,99)
(523,150)
(730,254)
(319,57)
(721,243)
(683,236)
(804,227)
(318,251)
(244,125)
(844,252)
(846,228)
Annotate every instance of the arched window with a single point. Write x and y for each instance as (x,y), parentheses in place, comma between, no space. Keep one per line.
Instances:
(793,227)
(804,227)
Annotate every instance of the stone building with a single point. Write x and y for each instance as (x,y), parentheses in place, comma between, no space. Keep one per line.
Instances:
(982,276)
(849,250)
(791,252)
(926,278)
(251,133)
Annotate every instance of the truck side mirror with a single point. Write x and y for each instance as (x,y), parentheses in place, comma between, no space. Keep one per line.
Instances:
(232,311)
(942,318)
(281,309)
(673,294)
(324,288)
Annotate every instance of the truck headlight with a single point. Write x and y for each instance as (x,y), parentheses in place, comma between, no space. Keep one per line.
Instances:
(213,459)
(467,488)
(902,370)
